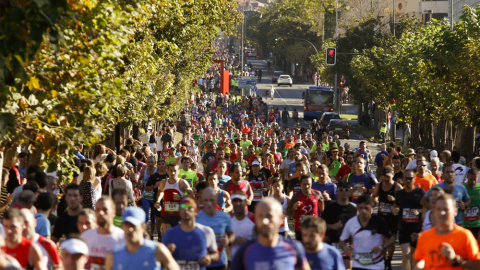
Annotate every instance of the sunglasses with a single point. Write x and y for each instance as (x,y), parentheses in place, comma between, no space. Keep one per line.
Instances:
(343,189)
(422,165)
(409,178)
(186,206)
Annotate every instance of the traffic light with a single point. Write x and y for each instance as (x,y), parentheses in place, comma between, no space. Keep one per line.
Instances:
(341,83)
(331,56)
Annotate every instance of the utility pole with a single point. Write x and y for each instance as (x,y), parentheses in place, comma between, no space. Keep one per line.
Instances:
(242,48)
(451,15)
(393,16)
(336,19)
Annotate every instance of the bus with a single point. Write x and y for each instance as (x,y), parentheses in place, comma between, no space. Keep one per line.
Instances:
(317,100)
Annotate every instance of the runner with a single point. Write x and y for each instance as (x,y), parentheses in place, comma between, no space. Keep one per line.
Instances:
(408,207)
(193,245)
(236,184)
(324,185)
(447,246)
(171,190)
(336,215)
(67,221)
(51,258)
(138,252)
(471,219)
(153,184)
(269,250)
(361,182)
(385,193)
(27,253)
(219,222)
(86,220)
(120,197)
(148,195)
(423,179)
(224,202)
(74,254)
(364,153)
(102,240)
(294,183)
(319,255)
(334,163)
(370,237)
(284,200)
(347,168)
(258,182)
(304,203)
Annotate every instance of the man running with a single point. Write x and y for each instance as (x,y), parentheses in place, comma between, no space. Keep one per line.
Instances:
(102,240)
(221,224)
(193,245)
(243,224)
(270,250)
(304,203)
(319,255)
(360,181)
(408,206)
(138,253)
(172,190)
(471,218)
(259,183)
(236,184)
(74,254)
(448,245)
(27,253)
(370,236)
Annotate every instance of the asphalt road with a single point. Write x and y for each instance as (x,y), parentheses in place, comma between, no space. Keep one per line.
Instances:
(291,98)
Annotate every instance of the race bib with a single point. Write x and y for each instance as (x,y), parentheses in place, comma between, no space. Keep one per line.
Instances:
(303,217)
(188,265)
(149,195)
(337,246)
(172,207)
(257,193)
(471,213)
(364,258)
(357,190)
(385,208)
(218,239)
(411,215)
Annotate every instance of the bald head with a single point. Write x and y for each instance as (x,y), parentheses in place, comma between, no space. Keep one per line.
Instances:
(30,223)
(268,217)
(270,203)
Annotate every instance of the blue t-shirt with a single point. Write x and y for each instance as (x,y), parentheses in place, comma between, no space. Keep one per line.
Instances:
(379,158)
(359,181)
(221,223)
(190,246)
(222,180)
(43,225)
(329,187)
(144,258)
(286,255)
(329,258)
(459,193)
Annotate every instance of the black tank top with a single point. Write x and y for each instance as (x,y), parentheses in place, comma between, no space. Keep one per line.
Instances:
(385,206)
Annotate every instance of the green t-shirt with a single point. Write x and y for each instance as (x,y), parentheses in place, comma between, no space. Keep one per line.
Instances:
(283,152)
(333,171)
(471,214)
(170,160)
(190,176)
(197,137)
(117,221)
(244,145)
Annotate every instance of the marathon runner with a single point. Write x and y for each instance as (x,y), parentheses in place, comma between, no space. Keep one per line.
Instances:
(237,184)
(360,181)
(86,220)
(471,218)
(74,254)
(224,202)
(284,200)
(259,183)
(153,183)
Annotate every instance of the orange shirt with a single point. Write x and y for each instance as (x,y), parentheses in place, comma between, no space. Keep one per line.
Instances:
(289,145)
(426,182)
(459,238)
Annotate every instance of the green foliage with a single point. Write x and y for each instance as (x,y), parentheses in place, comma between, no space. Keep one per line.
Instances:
(88,65)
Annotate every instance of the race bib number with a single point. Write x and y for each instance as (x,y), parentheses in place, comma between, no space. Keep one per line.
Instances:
(303,217)
(385,208)
(411,215)
(471,213)
(218,239)
(257,193)
(364,258)
(357,190)
(188,265)
(172,207)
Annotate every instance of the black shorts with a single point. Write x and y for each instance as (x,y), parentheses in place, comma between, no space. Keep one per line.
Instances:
(392,222)
(475,231)
(404,236)
(172,220)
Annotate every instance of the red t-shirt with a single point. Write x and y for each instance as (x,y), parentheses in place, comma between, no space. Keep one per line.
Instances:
(51,249)
(344,170)
(20,252)
(309,206)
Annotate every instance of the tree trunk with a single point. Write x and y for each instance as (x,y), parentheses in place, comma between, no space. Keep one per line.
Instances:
(136,132)
(441,135)
(416,140)
(35,157)
(467,143)
(428,136)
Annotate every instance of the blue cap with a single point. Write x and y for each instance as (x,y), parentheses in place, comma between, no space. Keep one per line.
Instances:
(134,215)
(283,141)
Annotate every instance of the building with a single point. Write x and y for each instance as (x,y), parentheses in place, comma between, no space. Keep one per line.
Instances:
(458,7)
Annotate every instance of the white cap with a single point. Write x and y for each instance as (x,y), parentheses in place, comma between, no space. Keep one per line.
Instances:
(433,154)
(74,246)
(255,163)
(239,196)
(299,141)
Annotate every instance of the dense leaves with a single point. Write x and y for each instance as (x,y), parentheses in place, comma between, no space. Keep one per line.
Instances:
(71,70)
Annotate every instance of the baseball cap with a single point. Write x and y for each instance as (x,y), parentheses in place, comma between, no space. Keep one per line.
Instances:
(299,141)
(74,246)
(433,154)
(240,196)
(255,163)
(283,141)
(133,215)
(183,148)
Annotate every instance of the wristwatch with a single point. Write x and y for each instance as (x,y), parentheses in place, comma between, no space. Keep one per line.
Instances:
(457,261)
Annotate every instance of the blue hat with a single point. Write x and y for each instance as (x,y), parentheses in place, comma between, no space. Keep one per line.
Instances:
(283,141)
(133,215)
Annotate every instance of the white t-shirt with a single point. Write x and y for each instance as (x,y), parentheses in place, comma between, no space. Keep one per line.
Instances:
(242,228)
(99,245)
(285,165)
(412,165)
(460,173)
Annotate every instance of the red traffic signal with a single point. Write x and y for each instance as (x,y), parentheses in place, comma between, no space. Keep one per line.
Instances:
(331,56)
(341,83)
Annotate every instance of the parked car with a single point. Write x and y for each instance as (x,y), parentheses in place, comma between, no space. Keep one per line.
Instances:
(339,127)
(284,79)
(276,75)
(327,116)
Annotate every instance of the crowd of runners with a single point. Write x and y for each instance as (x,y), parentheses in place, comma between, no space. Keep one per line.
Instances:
(225,195)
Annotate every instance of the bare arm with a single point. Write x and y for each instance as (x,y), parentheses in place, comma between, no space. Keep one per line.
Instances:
(228,202)
(163,255)
(35,257)
(109,261)
(185,187)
